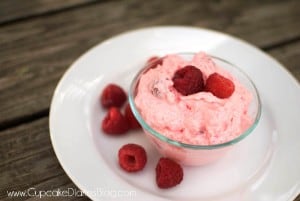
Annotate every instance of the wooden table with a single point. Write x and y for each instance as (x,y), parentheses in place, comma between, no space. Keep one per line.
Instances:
(39,39)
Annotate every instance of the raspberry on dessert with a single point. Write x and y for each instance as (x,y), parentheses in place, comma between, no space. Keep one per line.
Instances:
(113,96)
(114,123)
(168,173)
(188,80)
(153,62)
(134,124)
(219,86)
(132,157)
(153,58)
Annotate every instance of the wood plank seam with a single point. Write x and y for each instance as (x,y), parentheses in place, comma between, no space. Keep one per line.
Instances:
(51,12)
(24,119)
(45,148)
(34,184)
(281,43)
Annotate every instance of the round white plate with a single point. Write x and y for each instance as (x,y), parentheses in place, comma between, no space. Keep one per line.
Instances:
(265,166)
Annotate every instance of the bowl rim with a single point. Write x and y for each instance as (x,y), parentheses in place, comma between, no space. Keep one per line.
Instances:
(176,143)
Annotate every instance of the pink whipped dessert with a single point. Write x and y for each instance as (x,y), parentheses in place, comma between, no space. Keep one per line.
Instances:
(198,119)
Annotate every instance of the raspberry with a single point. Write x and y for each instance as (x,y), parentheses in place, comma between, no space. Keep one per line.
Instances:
(219,86)
(188,80)
(134,124)
(132,157)
(113,95)
(168,173)
(154,62)
(151,59)
(114,122)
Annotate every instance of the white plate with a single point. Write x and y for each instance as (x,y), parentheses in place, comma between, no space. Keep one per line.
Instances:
(265,166)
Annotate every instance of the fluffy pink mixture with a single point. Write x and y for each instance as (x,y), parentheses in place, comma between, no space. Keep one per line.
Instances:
(201,118)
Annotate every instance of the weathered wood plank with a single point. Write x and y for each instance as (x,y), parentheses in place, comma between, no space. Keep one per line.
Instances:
(27,157)
(24,141)
(266,25)
(26,172)
(56,184)
(289,55)
(11,10)
(53,185)
(27,161)
(36,53)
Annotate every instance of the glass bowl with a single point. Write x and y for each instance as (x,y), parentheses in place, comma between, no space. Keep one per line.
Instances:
(192,154)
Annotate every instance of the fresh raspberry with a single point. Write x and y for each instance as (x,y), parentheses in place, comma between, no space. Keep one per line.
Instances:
(154,62)
(219,86)
(151,59)
(132,157)
(134,124)
(188,80)
(114,122)
(168,173)
(113,96)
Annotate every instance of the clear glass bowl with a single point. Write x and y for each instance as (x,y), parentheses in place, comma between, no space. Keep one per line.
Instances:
(190,154)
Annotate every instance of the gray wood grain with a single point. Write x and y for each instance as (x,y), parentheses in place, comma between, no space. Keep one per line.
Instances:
(59,183)
(55,184)
(35,53)
(23,142)
(28,161)
(12,10)
(289,55)
(27,157)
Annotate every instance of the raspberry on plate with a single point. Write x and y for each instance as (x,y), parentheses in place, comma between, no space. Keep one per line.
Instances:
(168,173)
(113,96)
(188,80)
(134,124)
(132,157)
(114,122)
(219,86)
